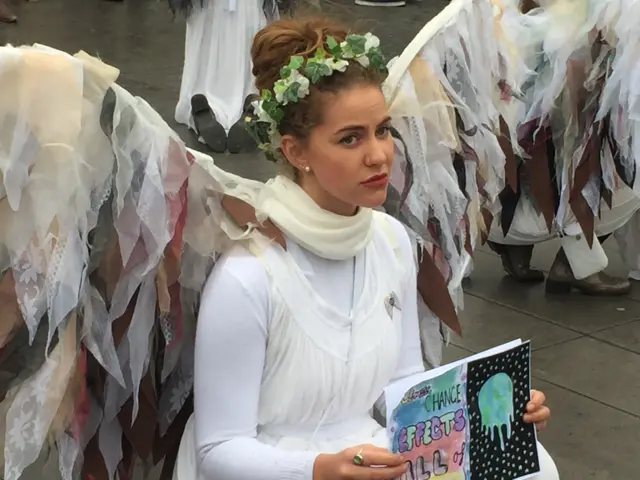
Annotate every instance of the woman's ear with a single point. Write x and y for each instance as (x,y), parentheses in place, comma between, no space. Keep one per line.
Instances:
(292,150)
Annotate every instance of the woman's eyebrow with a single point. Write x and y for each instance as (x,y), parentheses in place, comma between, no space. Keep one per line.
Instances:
(351,128)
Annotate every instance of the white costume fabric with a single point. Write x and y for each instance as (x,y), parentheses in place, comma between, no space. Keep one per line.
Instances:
(217,61)
(293,350)
(529,228)
(585,51)
(447,99)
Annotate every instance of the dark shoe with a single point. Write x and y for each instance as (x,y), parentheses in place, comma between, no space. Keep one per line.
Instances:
(516,261)
(207,126)
(561,281)
(239,139)
(381,3)
(6,16)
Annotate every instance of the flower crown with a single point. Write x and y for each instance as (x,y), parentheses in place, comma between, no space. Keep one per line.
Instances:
(299,75)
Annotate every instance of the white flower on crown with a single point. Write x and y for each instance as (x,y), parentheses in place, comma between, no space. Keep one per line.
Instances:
(274,136)
(260,112)
(372,42)
(296,76)
(363,60)
(335,64)
(281,86)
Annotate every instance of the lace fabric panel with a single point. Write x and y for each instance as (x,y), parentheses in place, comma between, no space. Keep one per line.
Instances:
(35,403)
(94,189)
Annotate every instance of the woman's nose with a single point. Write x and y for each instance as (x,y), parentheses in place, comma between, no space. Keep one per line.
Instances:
(377,152)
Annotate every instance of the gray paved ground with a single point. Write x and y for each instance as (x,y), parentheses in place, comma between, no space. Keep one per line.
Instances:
(587,350)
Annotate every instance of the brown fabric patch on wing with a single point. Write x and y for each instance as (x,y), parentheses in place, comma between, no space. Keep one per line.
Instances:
(434,292)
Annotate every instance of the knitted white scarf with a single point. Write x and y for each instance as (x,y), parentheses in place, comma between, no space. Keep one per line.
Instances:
(323,233)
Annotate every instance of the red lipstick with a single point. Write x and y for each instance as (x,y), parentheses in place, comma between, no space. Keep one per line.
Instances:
(377,181)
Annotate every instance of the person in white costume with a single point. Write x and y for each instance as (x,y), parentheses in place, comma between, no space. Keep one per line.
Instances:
(577,264)
(552,94)
(217,78)
(299,333)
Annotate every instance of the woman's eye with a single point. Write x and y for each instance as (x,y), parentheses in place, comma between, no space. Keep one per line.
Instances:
(383,131)
(350,140)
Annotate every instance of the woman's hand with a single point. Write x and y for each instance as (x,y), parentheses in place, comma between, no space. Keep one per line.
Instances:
(378,464)
(536,411)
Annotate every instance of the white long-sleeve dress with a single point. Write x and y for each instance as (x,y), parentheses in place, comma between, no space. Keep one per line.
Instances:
(292,352)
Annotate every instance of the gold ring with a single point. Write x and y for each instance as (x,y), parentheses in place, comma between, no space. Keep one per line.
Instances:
(358,459)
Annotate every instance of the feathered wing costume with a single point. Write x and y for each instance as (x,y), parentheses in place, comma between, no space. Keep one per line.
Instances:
(97,335)
(452,99)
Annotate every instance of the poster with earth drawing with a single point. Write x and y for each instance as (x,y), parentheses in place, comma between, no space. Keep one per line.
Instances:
(463,421)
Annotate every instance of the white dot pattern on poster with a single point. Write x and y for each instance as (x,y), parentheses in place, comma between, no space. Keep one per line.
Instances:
(499,451)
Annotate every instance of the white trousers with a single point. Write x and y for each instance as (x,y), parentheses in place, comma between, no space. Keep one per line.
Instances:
(529,228)
(217,59)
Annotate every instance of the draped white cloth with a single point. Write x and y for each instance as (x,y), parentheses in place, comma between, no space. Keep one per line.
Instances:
(217,60)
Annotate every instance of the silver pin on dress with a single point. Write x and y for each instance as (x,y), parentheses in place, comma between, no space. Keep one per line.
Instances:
(392,302)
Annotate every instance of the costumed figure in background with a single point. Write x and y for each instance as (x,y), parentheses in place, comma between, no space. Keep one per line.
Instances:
(576,145)
(217,78)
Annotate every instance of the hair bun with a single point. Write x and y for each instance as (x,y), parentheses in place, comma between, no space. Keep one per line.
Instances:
(275,44)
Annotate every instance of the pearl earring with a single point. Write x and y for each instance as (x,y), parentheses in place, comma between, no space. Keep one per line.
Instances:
(307,169)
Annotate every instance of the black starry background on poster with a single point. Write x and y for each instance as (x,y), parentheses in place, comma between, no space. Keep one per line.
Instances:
(520,457)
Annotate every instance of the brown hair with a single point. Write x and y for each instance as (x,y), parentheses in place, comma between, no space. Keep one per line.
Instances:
(527,5)
(274,45)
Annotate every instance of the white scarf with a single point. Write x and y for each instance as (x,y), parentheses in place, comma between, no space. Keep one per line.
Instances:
(326,234)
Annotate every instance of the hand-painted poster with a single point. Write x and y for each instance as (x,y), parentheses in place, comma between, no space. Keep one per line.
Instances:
(464,421)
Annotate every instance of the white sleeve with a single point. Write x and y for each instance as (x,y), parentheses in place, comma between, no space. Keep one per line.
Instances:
(229,359)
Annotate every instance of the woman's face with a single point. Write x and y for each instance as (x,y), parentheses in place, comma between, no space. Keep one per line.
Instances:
(349,154)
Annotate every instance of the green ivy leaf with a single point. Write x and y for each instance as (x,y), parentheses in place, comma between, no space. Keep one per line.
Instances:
(334,47)
(295,63)
(272,108)
(278,115)
(357,43)
(314,71)
(291,95)
(377,60)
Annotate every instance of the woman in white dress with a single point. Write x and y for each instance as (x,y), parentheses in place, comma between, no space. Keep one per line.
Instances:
(298,334)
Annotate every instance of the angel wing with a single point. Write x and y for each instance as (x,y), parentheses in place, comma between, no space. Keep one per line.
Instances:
(451,96)
(97,336)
